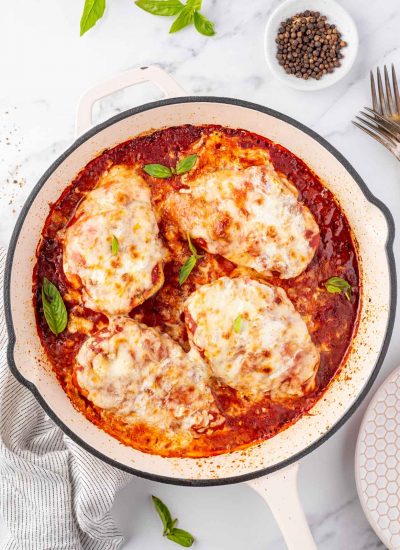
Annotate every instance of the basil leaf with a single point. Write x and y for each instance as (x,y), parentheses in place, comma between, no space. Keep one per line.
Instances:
(183,20)
(237,324)
(157,171)
(186,164)
(192,248)
(194,4)
(54,308)
(114,246)
(186,269)
(164,513)
(170,531)
(337,285)
(92,12)
(203,25)
(181,537)
(160,7)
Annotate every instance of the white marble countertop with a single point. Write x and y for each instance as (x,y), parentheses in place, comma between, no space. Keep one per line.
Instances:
(46,66)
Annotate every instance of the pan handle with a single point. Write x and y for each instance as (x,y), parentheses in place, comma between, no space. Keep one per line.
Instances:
(152,74)
(279,490)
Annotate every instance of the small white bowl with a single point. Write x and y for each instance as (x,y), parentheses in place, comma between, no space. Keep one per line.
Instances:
(337,16)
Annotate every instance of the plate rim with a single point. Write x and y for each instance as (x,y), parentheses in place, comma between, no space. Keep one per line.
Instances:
(379,531)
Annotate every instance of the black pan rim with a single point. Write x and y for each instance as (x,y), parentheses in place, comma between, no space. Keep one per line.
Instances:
(239,103)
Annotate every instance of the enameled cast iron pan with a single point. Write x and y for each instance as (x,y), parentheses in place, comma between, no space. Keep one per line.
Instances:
(373,229)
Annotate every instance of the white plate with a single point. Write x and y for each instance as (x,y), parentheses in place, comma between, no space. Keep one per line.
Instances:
(336,15)
(377,462)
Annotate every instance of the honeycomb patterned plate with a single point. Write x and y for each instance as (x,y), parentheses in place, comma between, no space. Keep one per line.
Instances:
(377,462)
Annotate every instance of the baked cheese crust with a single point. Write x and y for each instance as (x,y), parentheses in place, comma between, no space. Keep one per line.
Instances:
(252,217)
(142,375)
(118,208)
(252,337)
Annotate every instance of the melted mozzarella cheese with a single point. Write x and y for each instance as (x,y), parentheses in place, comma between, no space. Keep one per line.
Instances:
(143,375)
(119,207)
(252,337)
(252,217)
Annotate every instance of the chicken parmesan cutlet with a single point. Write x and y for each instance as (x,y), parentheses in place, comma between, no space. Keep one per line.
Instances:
(250,216)
(112,252)
(252,338)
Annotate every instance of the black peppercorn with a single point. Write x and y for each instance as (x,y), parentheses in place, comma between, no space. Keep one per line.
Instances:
(308,46)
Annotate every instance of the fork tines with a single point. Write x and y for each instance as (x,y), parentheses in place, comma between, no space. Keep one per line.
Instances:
(382,122)
(385,131)
(386,104)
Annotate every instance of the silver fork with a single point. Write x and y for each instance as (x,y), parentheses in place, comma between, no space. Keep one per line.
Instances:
(388,104)
(382,122)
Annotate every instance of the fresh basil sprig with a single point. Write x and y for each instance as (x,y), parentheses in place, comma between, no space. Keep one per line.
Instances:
(163,172)
(170,531)
(158,171)
(166,7)
(187,14)
(54,308)
(203,25)
(190,263)
(184,19)
(163,512)
(180,537)
(114,246)
(186,269)
(337,285)
(186,164)
(237,323)
(92,12)
(194,4)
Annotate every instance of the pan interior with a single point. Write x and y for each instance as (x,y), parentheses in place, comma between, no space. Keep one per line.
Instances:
(374,317)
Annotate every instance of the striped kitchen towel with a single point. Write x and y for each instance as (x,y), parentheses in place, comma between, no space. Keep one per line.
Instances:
(53,494)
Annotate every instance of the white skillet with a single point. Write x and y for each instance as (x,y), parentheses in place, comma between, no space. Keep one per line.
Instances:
(373,229)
